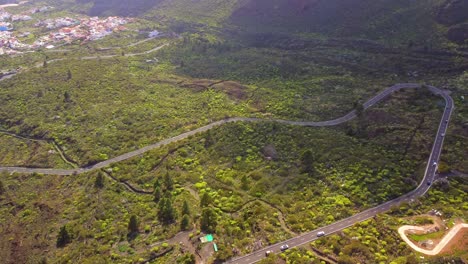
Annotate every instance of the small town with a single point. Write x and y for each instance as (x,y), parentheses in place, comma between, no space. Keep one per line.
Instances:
(63,30)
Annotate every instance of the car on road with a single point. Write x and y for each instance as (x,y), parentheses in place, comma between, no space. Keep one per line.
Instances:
(268,252)
(321,233)
(434,164)
(428,182)
(442,135)
(284,247)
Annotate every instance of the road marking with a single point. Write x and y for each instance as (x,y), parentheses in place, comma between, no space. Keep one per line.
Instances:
(421,189)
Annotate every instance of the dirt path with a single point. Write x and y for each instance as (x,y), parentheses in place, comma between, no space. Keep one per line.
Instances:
(7,5)
(54,144)
(266,203)
(447,238)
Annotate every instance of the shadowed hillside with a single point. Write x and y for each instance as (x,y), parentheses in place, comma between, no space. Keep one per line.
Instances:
(395,22)
(2,2)
(120,7)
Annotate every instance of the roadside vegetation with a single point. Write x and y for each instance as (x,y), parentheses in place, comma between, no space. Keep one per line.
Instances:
(376,240)
(250,184)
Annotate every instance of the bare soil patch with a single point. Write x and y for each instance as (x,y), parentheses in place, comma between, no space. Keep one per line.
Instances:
(234,90)
(458,243)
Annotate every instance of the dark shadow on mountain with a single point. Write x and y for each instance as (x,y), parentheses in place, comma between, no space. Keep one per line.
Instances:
(120,7)
(401,21)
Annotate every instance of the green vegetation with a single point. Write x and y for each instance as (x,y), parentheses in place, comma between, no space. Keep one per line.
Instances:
(99,183)
(250,184)
(63,237)
(377,240)
(435,235)
(133,225)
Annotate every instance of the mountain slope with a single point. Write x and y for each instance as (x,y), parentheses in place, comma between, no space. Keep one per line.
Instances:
(395,22)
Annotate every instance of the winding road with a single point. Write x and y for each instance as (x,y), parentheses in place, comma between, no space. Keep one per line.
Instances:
(329,229)
(423,187)
(439,247)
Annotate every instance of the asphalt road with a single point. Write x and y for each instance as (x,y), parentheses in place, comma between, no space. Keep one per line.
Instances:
(369,213)
(332,228)
(126,55)
(434,154)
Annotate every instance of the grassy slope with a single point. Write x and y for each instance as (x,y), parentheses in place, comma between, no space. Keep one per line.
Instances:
(334,78)
(346,179)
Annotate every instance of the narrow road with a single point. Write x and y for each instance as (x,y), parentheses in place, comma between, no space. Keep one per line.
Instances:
(447,238)
(430,169)
(332,228)
(423,187)
(126,55)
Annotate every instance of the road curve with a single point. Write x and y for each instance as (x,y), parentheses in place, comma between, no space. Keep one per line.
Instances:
(434,154)
(440,246)
(332,228)
(422,188)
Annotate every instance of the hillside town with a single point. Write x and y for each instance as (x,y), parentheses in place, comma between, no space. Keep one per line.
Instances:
(62,30)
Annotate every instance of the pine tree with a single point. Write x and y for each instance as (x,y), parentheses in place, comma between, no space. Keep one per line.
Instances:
(166,211)
(209,141)
(307,161)
(157,194)
(2,188)
(66,97)
(359,109)
(157,183)
(133,224)
(185,223)
(205,200)
(69,74)
(168,182)
(99,183)
(208,220)
(244,182)
(185,208)
(63,237)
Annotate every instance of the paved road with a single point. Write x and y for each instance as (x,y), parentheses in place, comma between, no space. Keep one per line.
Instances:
(126,55)
(309,236)
(369,213)
(434,154)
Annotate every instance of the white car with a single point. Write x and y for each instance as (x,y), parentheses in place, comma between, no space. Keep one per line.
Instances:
(434,164)
(321,233)
(284,247)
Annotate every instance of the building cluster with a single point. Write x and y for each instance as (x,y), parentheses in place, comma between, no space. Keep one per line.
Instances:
(39,9)
(4,16)
(66,30)
(99,28)
(10,44)
(20,17)
(5,26)
(57,23)
(86,29)
(6,19)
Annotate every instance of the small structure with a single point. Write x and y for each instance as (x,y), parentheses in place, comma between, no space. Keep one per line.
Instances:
(207,238)
(153,34)
(3,28)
